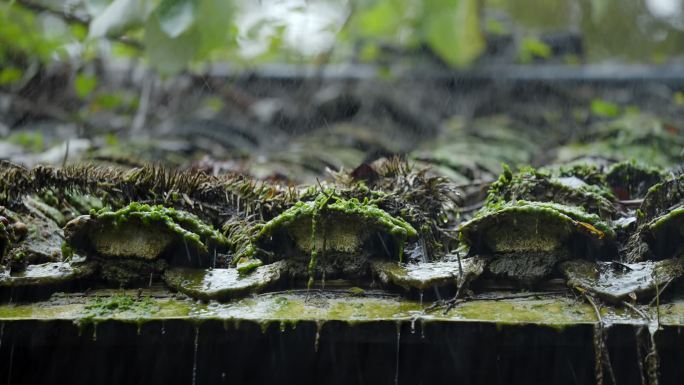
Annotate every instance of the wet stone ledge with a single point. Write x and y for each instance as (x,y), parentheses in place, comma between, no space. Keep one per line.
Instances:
(328,336)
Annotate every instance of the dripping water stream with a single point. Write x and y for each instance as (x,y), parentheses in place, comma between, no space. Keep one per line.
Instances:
(396,368)
(194,356)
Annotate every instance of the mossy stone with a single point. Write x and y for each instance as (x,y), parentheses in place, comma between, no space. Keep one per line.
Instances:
(47,274)
(617,282)
(422,276)
(531,227)
(222,284)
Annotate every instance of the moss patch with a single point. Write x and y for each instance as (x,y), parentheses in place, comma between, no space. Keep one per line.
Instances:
(330,221)
(530,226)
(186,225)
(100,308)
(542,186)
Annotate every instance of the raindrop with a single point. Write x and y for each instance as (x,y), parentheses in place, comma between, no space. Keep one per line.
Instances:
(163,328)
(150,283)
(94,331)
(421,298)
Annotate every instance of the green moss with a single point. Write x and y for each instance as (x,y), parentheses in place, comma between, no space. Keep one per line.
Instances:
(667,219)
(4,240)
(364,213)
(589,173)
(106,307)
(186,225)
(661,197)
(49,211)
(531,226)
(633,179)
(574,213)
(299,306)
(632,136)
(67,251)
(84,203)
(365,210)
(542,185)
(356,291)
(247,265)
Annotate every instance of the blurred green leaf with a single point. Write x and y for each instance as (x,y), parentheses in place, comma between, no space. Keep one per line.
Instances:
(10,75)
(169,55)
(602,108)
(22,35)
(382,19)
(531,48)
(84,85)
(215,16)
(495,27)
(111,139)
(176,16)
(452,29)
(96,7)
(107,101)
(118,17)
(679,98)
(31,141)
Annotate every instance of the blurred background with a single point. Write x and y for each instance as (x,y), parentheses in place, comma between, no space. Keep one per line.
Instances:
(288,89)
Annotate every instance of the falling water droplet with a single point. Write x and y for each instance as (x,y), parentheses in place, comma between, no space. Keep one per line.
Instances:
(187,251)
(413,325)
(11,361)
(163,328)
(421,298)
(150,283)
(422,329)
(652,357)
(319,326)
(2,332)
(139,328)
(94,331)
(194,357)
(396,370)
